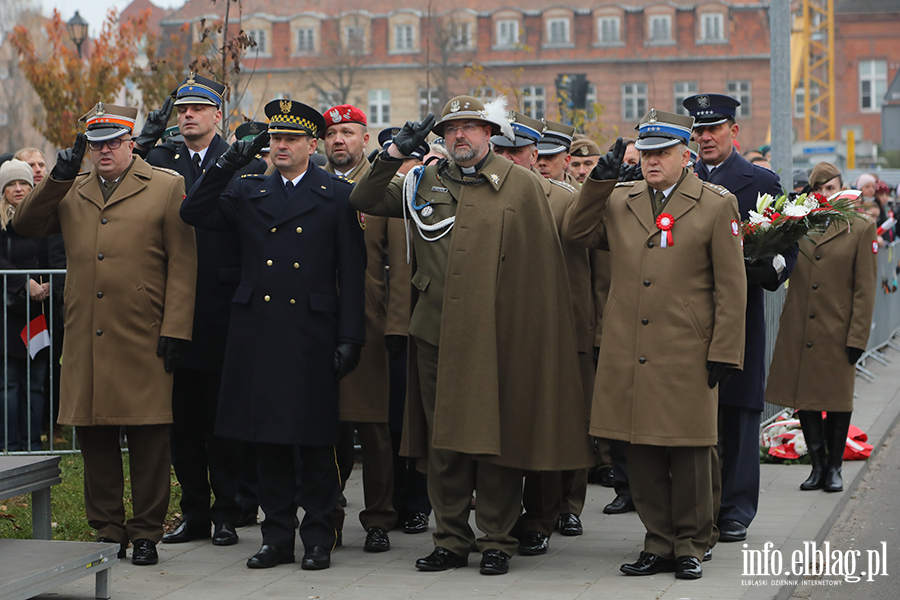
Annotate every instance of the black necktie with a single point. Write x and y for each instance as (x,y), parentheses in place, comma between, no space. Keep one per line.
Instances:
(197,161)
(288,186)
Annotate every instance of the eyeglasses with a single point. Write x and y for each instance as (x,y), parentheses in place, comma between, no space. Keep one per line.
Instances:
(452,130)
(113,144)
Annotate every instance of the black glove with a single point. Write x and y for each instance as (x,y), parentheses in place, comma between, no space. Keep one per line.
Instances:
(68,161)
(372,155)
(761,272)
(630,172)
(346,357)
(608,166)
(718,373)
(396,346)
(854,354)
(169,349)
(413,134)
(155,125)
(241,153)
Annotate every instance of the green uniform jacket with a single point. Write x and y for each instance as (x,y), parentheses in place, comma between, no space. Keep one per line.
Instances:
(670,310)
(493,295)
(829,306)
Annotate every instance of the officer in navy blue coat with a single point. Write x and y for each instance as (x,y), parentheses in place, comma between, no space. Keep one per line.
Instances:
(741,399)
(203,461)
(297,322)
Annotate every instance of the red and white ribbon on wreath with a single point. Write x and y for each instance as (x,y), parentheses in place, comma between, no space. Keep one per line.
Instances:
(665,223)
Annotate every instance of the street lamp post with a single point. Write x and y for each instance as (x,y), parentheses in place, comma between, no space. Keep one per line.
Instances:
(78,29)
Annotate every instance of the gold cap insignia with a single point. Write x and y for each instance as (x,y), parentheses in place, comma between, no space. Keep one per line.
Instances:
(100,110)
(652,116)
(285,106)
(454,106)
(584,150)
(190,79)
(511,116)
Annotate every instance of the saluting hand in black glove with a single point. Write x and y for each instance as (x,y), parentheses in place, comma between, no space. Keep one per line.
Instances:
(241,153)
(413,134)
(346,357)
(630,172)
(68,161)
(169,349)
(718,373)
(608,166)
(155,125)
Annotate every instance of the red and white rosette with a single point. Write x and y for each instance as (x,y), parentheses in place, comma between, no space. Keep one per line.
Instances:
(665,222)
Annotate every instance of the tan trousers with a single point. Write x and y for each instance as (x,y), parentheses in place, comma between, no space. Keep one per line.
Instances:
(104,480)
(453,476)
(672,489)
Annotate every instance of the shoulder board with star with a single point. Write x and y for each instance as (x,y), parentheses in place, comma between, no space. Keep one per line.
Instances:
(625,183)
(563,185)
(716,188)
(253,176)
(165,170)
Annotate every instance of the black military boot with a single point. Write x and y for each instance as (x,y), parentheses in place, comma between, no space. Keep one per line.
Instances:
(836,426)
(814,434)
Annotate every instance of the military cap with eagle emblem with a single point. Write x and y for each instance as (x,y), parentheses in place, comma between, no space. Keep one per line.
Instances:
(249,130)
(294,118)
(584,147)
(468,108)
(557,138)
(108,121)
(199,90)
(711,109)
(659,129)
(528,131)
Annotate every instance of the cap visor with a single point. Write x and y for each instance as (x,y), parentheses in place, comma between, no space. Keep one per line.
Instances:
(551,148)
(102,134)
(503,141)
(195,100)
(716,120)
(656,143)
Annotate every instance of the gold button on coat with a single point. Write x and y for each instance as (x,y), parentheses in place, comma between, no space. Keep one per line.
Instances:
(296,265)
(293,301)
(269,262)
(299,230)
(273,229)
(267,298)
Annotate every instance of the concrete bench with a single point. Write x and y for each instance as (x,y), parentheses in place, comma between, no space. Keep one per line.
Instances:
(29,568)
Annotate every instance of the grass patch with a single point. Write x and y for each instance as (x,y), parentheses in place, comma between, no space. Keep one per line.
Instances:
(68,520)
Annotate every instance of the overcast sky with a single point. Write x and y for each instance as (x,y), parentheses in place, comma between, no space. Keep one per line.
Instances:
(94,11)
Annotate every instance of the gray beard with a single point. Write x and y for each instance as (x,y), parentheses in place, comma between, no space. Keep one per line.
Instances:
(465,154)
(343,162)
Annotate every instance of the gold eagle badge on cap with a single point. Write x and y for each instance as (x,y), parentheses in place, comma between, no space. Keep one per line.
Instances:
(454,106)
(285,106)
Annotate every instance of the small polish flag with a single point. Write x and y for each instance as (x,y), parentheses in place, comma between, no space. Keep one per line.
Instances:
(40,337)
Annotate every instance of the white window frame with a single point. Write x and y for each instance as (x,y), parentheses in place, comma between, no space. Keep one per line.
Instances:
(310,34)
(872,85)
(380,107)
(534,101)
(614,24)
(558,31)
(743,91)
(717,20)
(652,21)
(357,34)
(404,37)
(634,101)
(682,90)
(461,36)
(260,36)
(507,32)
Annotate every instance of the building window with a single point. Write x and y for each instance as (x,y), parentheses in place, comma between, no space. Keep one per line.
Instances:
(355,36)
(429,102)
(741,91)
(533,101)
(608,30)
(258,36)
(660,28)
(306,40)
(557,31)
(712,27)
(404,38)
(379,107)
(507,32)
(460,36)
(634,101)
(483,93)
(683,89)
(872,84)
(800,97)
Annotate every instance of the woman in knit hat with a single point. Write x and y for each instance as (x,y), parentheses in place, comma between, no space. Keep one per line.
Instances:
(21,253)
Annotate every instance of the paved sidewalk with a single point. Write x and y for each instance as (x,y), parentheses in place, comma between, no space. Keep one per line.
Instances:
(584,567)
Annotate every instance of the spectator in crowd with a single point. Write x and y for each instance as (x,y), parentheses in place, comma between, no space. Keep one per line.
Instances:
(35,159)
(583,157)
(135,262)
(632,156)
(866,183)
(24,393)
(761,161)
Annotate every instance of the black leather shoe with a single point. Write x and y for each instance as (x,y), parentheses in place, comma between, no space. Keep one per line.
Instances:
(494,562)
(144,553)
(688,567)
(122,547)
(316,558)
(416,523)
(570,524)
(247,518)
(605,476)
(270,556)
(732,531)
(441,559)
(224,534)
(187,532)
(621,505)
(648,564)
(533,543)
(377,540)
(707,556)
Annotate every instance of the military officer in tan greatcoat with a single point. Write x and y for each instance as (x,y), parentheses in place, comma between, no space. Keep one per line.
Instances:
(488,397)
(129,307)
(673,327)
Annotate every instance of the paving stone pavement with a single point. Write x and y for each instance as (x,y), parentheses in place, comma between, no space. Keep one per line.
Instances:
(583,568)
